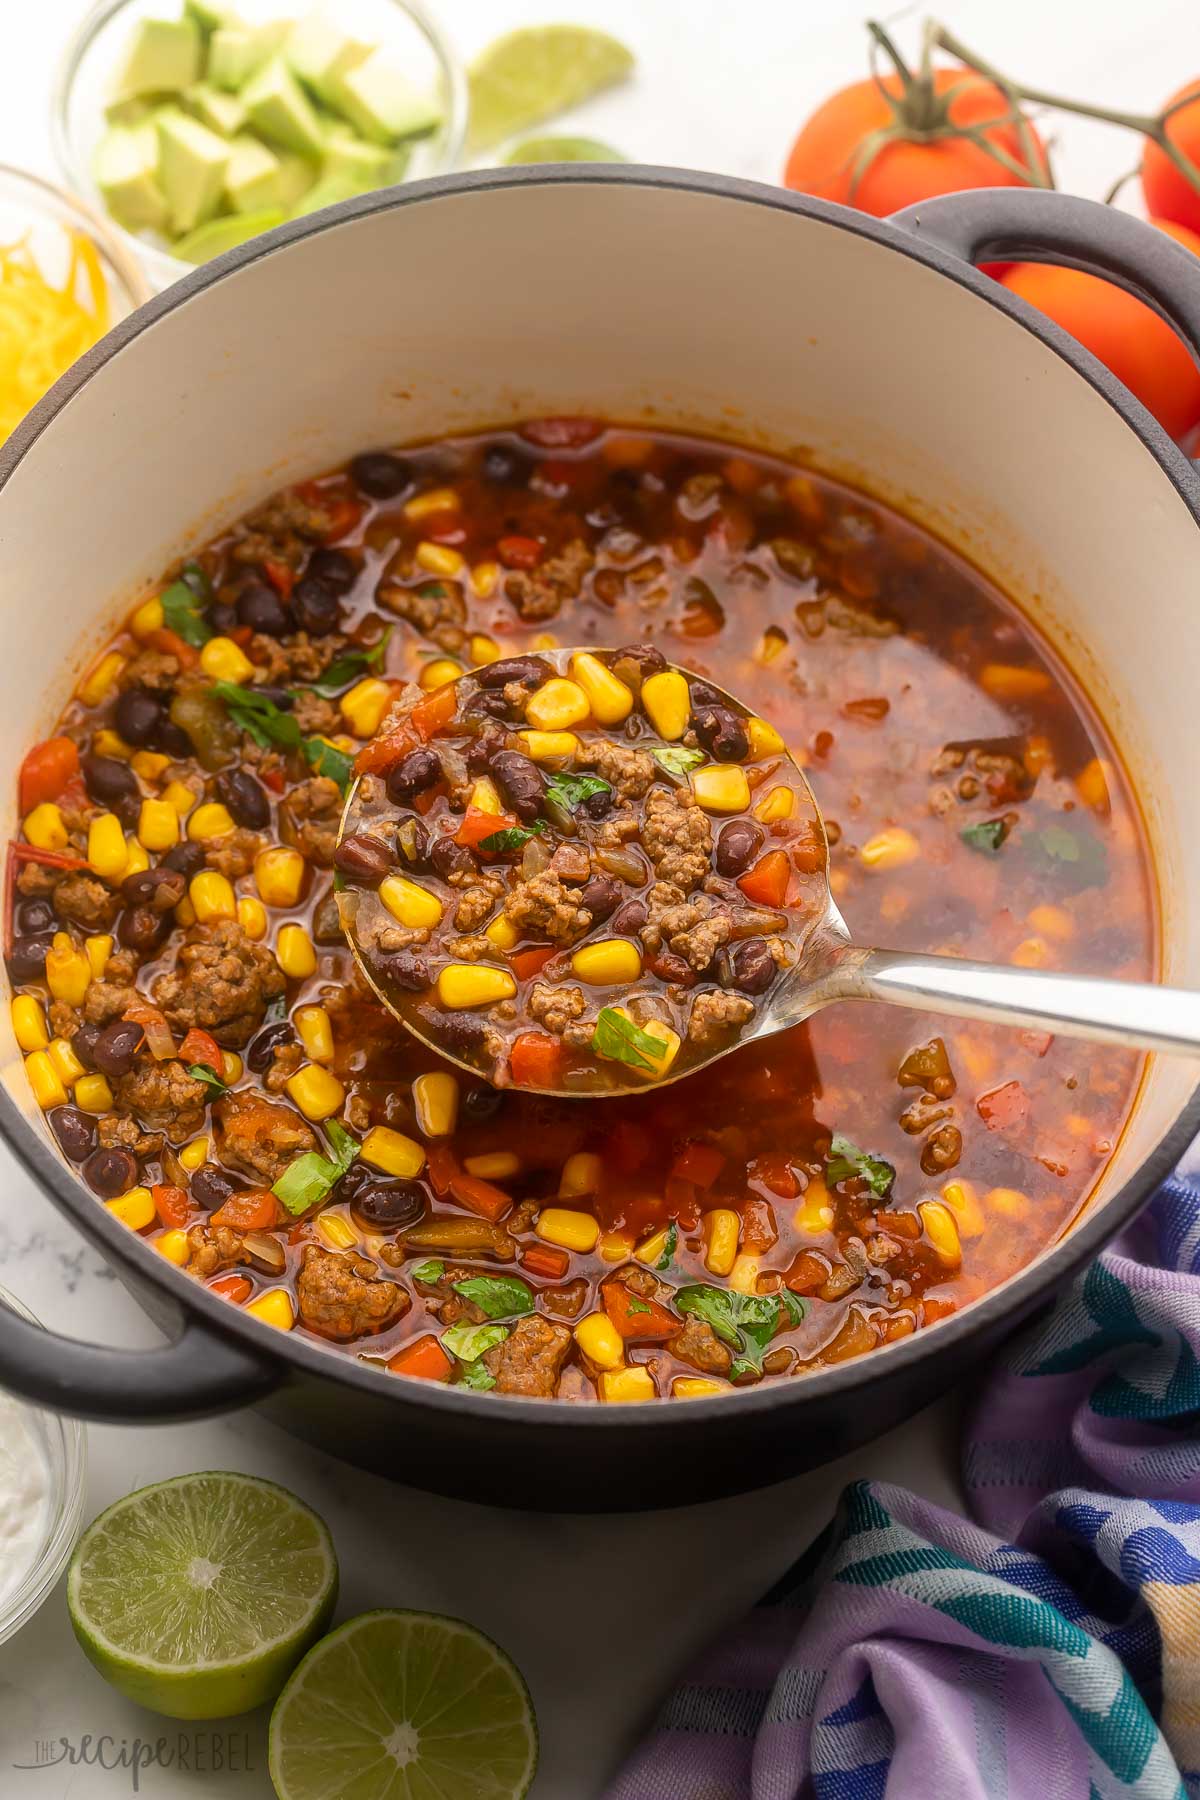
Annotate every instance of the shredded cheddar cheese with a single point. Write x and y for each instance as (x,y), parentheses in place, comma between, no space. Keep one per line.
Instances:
(43,329)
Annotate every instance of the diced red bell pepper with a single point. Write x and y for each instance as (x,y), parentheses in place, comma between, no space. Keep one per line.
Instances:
(479,1196)
(636,1318)
(281,577)
(256,1211)
(343,517)
(379,755)
(169,643)
(546,1260)
(536,1060)
(46,770)
(478,825)
(767,882)
(202,1047)
(441,1166)
(528,963)
(424,1358)
(171,1204)
(775,1172)
(561,434)
(699,1163)
(519,552)
(429,716)
(1004,1108)
(272,778)
(232,1287)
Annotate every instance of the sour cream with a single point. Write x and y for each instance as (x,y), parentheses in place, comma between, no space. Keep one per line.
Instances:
(24,1495)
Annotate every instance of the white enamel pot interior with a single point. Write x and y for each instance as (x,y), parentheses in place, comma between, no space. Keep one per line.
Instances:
(639,295)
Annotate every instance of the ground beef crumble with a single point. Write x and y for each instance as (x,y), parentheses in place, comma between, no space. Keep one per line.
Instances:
(313,810)
(260,1137)
(222,982)
(342,1296)
(544,908)
(715,1013)
(556,1007)
(628,771)
(530,1359)
(539,593)
(677,838)
(163,1096)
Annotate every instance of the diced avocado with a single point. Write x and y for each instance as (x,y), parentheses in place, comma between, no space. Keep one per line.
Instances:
(211,15)
(296,175)
(327,192)
(128,112)
(277,106)
(191,167)
(125,167)
(235,53)
(225,234)
(222,113)
(317,53)
(349,157)
(252,175)
(382,104)
(164,58)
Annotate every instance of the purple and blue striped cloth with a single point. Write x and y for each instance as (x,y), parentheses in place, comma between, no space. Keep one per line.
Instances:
(1049,1651)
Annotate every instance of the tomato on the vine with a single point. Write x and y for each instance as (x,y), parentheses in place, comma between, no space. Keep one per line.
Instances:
(1169,194)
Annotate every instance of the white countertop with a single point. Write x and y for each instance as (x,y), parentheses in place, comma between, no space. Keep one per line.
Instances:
(719,87)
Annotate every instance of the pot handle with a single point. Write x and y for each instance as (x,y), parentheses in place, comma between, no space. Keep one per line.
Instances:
(1040,225)
(196,1374)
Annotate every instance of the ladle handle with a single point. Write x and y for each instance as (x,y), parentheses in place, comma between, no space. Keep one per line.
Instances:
(1138,1014)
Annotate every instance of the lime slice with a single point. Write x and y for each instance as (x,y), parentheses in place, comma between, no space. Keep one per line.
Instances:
(530,75)
(198,1596)
(404,1706)
(563,149)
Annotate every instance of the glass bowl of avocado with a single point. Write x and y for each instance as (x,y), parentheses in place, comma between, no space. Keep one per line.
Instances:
(195,125)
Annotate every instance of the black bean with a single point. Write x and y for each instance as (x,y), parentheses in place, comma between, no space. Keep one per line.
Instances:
(520,781)
(35,917)
(644,657)
(721,732)
(187,859)
(223,618)
(388,1205)
(529,669)
(363,858)
(412,843)
(264,1044)
(505,466)
(601,896)
(26,961)
(75,1131)
(737,846)
(482,1102)
(110,1172)
(752,968)
(117,1046)
(486,744)
(461,1033)
(110,782)
(379,475)
(138,716)
(358,1175)
(327,921)
(597,805)
(141,928)
(400,968)
(629,918)
(449,858)
(333,567)
(173,740)
(210,1187)
(262,608)
(419,770)
(83,1043)
(315,607)
(159,888)
(245,797)
(487,706)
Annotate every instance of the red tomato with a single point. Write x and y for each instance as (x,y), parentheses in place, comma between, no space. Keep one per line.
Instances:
(171,1204)
(1169,194)
(46,771)
(536,1060)
(1140,348)
(201,1047)
(255,1211)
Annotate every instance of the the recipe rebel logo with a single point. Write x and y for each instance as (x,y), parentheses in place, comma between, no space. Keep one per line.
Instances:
(191,1753)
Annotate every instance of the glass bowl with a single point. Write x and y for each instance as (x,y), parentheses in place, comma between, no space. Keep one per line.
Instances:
(84,78)
(63,1443)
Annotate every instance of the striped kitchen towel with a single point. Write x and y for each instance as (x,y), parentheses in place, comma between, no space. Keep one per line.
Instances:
(1050,1651)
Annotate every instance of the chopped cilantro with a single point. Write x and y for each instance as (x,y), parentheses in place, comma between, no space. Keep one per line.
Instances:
(1077,859)
(675,759)
(272,728)
(327,759)
(846,1159)
(986,835)
(573,790)
(619,1039)
(312,1177)
(477,1375)
(432,1270)
(348,667)
(634,1305)
(183,606)
(469,1342)
(512,838)
(746,1322)
(210,1078)
(664,1261)
(499,1296)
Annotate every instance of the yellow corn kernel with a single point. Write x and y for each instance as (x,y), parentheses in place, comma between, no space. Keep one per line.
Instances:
(67,1065)
(582,1173)
(814,1215)
(179,795)
(941,1231)
(29,1023)
(721,788)
(149,764)
(721,1229)
(890,849)
(435,1100)
(138,859)
(569,1230)
(770,647)
(315,1030)
(1031,953)
(147,617)
(473,984)
(101,678)
(158,825)
(548,746)
(107,850)
(615,1246)
(341,742)
(607,963)
(93,1094)
(364,706)
(68,971)
(433,500)
(557,705)
(743,1277)
(438,672)
(135,1208)
(185,913)
(411,904)
(1052,922)
(45,827)
(484,577)
(174,1246)
(652,1249)
(961,1198)
(667,703)
(484,650)
(697,1387)
(316,1092)
(45,1080)
(274,1308)
(627,1387)
(392,1152)
(439,559)
(610,700)
(764,739)
(1010,1202)
(193,1156)
(545,640)
(1006,681)
(108,742)
(98,949)
(252,916)
(600,1341)
(493,1165)
(223,660)
(231,1067)
(294,953)
(501,933)
(212,896)
(485,796)
(279,876)
(1093,784)
(337,1231)
(212,820)
(779,803)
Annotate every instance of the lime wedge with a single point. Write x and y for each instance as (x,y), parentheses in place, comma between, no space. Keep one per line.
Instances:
(533,74)
(404,1706)
(197,1597)
(563,149)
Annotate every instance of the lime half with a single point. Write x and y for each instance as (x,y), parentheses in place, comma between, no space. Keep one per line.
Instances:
(198,1596)
(533,74)
(563,149)
(404,1706)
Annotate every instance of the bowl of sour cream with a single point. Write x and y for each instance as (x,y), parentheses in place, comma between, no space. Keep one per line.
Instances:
(43,1473)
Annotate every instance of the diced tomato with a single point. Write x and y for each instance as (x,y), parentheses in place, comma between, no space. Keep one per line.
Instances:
(46,771)
(272,778)
(699,1163)
(519,552)
(169,643)
(636,1318)
(478,825)
(546,1260)
(479,1196)
(201,1047)
(280,576)
(256,1211)
(536,1060)
(1004,1108)
(775,1172)
(528,963)
(767,882)
(561,434)
(428,716)
(423,1358)
(378,756)
(343,517)
(171,1204)
(442,1167)
(232,1287)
